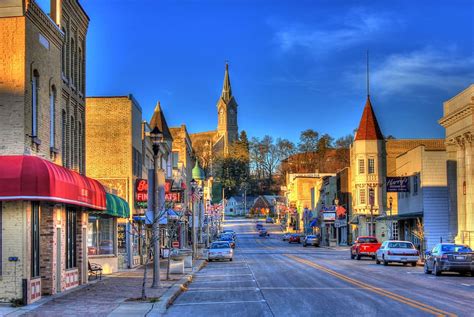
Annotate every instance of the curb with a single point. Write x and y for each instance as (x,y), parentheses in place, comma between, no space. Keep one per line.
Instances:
(167,299)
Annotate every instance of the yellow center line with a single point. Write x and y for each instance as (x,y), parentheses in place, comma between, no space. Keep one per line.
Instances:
(413,303)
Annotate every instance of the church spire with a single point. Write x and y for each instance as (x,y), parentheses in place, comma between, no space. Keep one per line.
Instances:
(226,89)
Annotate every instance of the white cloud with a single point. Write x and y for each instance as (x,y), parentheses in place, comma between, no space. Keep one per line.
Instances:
(356,27)
(426,68)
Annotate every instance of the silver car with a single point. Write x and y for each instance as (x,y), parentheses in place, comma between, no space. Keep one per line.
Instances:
(311,240)
(220,250)
(397,251)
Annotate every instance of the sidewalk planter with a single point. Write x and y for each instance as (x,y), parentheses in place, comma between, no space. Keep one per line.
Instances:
(43,212)
(177,265)
(188,257)
(102,232)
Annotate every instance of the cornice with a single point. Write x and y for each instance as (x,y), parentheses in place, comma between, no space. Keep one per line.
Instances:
(73,10)
(45,24)
(457,115)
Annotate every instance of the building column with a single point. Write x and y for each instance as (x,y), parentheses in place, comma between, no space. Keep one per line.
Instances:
(469,189)
(461,179)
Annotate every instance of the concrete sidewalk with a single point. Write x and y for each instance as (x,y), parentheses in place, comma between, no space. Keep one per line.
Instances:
(111,296)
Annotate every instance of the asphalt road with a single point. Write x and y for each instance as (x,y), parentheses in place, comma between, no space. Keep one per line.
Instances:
(269,277)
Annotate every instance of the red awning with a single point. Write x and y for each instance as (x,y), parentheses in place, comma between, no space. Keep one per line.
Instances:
(33,178)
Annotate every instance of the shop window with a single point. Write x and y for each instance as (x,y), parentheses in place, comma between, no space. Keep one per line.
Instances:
(361,167)
(371,166)
(100,235)
(35,239)
(71,236)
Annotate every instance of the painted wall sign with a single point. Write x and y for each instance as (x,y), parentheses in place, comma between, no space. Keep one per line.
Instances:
(398,184)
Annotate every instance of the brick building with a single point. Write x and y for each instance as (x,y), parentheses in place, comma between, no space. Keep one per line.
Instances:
(43,206)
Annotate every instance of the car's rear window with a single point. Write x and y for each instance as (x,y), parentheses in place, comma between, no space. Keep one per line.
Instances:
(401,245)
(368,240)
(220,245)
(310,237)
(455,248)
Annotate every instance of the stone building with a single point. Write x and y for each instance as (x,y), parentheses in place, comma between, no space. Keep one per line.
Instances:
(458,120)
(43,206)
(214,143)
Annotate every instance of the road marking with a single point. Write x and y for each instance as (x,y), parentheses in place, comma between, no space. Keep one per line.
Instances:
(410,302)
(468,285)
(203,282)
(219,275)
(194,290)
(225,303)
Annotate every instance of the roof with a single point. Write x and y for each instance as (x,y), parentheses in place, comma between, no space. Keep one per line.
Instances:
(226,88)
(368,127)
(158,120)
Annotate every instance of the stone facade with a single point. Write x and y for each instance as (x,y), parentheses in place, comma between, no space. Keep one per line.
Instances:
(458,120)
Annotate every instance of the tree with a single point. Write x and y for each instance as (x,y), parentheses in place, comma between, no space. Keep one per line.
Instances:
(344,142)
(308,141)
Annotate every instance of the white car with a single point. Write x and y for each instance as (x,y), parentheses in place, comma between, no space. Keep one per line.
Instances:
(220,250)
(397,251)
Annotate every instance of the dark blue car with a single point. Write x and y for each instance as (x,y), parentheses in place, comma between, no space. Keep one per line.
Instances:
(449,257)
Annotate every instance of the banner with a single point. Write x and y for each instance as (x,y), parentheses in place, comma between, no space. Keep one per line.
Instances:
(398,184)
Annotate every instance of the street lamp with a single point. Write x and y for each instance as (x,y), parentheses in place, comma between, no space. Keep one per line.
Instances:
(336,202)
(193,184)
(390,201)
(156,137)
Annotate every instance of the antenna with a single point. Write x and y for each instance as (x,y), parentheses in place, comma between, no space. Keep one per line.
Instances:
(368,87)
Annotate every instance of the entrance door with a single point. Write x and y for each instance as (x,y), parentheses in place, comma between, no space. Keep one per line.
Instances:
(58,260)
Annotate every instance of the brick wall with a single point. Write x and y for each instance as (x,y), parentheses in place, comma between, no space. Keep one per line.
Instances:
(47,249)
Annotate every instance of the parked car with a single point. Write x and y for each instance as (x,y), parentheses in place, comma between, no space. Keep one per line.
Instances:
(294,238)
(263,232)
(311,240)
(397,251)
(269,220)
(449,257)
(229,232)
(364,246)
(286,236)
(220,250)
(229,239)
(259,225)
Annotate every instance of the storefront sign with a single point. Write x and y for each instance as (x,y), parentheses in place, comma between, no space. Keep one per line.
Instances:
(398,184)
(175,196)
(329,216)
(340,223)
(141,194)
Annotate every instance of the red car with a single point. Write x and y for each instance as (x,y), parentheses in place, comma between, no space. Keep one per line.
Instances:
(365,246)
(294,238)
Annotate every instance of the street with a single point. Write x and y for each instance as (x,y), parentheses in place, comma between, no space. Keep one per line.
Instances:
(270,277)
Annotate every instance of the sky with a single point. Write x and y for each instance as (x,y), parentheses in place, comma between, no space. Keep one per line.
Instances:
(294,65)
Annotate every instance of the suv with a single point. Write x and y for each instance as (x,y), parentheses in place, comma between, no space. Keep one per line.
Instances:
(311,240)
(365,246)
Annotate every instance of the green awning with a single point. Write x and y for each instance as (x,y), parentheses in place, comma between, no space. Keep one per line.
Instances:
(116,206)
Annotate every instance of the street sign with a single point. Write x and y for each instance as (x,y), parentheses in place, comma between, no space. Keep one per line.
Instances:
(175,244)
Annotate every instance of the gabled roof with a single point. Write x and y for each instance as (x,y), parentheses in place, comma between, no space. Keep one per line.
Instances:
(158,120)
(368,127)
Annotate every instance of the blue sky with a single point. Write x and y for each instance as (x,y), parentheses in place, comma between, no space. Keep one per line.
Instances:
(293,64)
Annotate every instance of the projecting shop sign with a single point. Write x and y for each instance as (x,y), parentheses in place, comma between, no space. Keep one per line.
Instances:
(398,184)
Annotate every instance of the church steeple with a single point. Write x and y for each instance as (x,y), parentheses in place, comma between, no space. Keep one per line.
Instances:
(226,88)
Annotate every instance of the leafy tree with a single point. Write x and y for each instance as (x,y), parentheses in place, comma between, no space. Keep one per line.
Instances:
(344,142)
(308,141)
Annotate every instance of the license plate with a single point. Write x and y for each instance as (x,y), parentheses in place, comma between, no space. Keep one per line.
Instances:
(460,258)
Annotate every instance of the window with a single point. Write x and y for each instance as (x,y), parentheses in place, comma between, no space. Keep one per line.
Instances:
(80,148)
(362,198)
(63,54)
(35,239)
(73,69)
(175,159)
(71,231)
(100,235)
(72,138)
(64,137)
(395,230)
(52,117)
(137,163)
(34,104)
(415,185)
(371,166)
(361,167)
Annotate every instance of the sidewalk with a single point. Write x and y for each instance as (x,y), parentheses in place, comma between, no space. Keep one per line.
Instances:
(109,296)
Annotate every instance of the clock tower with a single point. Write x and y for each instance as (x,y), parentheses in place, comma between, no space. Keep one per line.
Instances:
(227,114)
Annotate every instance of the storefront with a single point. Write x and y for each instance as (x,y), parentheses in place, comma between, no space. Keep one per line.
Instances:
(103,234)
(44,213)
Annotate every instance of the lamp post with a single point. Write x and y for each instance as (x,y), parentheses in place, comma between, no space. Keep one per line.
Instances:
(193,227)
(156,137)
(390,201)
(336,202)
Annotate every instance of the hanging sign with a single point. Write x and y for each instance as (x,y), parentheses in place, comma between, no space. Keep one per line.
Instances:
(398,184)
(141,193)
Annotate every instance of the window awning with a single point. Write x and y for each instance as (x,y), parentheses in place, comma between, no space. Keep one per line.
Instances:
(26,177)
(117,206)
(408,215)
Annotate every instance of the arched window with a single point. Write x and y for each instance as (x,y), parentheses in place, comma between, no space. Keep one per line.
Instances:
(80,70)
(34,103)
(73,70)
(80,147)
(52,117)
(64,137)
(72,162)
(63,54)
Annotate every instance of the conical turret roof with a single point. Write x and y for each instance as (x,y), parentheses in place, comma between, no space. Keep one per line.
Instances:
(198,173)
(226,88)
(158,120)
(368,127)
